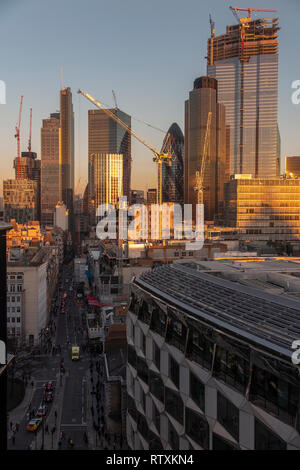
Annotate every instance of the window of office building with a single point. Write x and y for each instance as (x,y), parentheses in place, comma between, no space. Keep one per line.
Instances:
(197,391)
(158,321)
(265,439)
(274,394)
(228,416)
(173,437)
(131,408)
(219,443)
(156,355)
(196,427)
(174,405)
(142,369)
(144,314)
(156,417)
(174,371)
(200,349)
(156,386)
(231,368)
(131,355)
(143,400)
(143,343)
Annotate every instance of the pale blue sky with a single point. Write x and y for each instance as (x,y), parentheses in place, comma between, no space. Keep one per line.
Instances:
(149,52)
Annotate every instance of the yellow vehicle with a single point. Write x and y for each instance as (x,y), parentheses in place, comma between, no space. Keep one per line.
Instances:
(75,353)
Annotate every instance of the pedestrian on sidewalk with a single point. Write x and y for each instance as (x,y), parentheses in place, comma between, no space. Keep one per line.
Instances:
(13,439)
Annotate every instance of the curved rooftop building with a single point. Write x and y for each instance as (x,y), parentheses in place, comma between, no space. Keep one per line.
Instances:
(172,176)
(209,363)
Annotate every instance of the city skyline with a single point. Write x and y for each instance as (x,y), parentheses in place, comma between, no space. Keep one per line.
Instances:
(42,91)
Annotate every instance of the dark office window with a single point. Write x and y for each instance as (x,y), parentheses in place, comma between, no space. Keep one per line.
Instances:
(274,395)
(197,391)
(158,321)
(228,416)
(156,386)
(143,400)
(219,443)
(143,343)
(131,355)
(156,355)
(176,332)
(266,439)
(131,407)
(174,371)
(173,437)
(200,349)
(156,417)
(231,368)
(197,428)
(144,313)
(174,405)
(154,442)
(142,369)
(142,425)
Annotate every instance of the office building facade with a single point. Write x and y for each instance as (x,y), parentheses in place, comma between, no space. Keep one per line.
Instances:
(202,100)
(105,179)
(244,60)
(266,209)
(20,200)
(50,168)
(105,136)
(30,168)
(201,371)
(172,176)
(67,148)
(292,166)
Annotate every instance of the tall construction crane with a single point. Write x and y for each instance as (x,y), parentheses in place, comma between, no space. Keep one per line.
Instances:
(200,174)
(159,158)
(245,20)
(212,35)
(29,140)
(249,10)
(17,135)
(29,143)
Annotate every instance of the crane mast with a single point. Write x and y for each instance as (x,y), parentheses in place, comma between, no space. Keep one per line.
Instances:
(17,135)
(159,158)
(200,174)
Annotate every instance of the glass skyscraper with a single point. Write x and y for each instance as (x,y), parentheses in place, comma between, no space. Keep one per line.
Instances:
(108,137)
(172,176)
(202,100)
(244,60)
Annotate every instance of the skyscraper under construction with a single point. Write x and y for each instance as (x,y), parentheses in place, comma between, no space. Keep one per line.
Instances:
(244,60)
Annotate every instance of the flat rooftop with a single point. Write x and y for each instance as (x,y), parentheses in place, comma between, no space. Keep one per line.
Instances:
(258,317)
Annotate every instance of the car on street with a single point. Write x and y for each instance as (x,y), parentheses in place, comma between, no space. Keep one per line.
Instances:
(49,386)
(42,410)
(48,398)
(34,424)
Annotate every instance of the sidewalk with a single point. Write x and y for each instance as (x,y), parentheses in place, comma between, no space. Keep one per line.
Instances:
(17,414)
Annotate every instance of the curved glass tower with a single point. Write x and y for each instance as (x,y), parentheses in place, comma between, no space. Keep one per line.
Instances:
(172,176)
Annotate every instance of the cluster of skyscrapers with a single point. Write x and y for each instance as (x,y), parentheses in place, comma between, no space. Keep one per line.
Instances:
(240,91)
